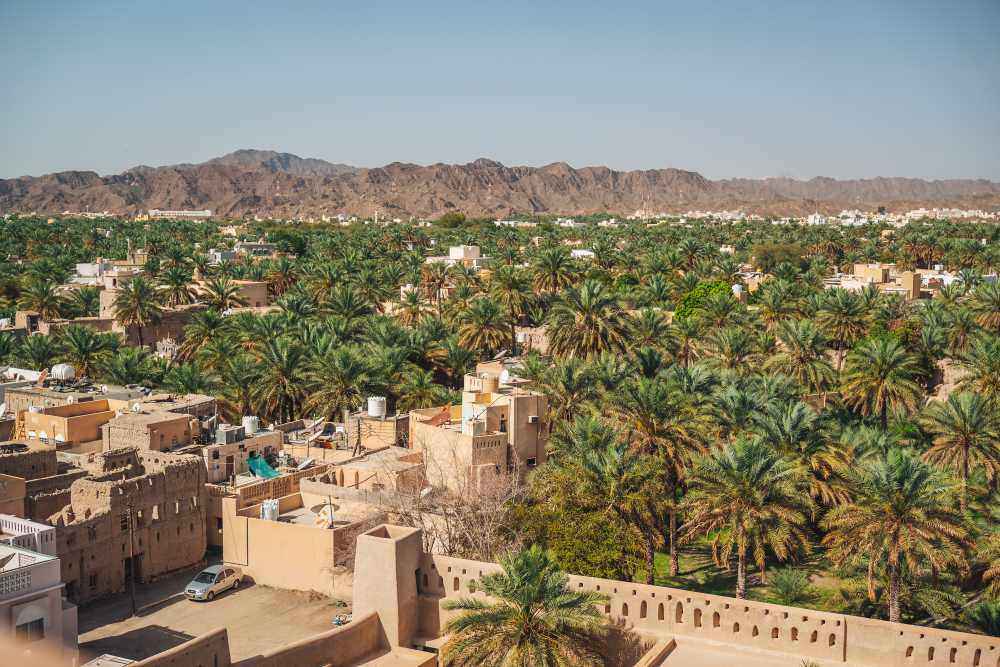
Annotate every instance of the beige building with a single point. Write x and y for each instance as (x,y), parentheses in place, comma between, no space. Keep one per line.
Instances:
(227,457)
(68,425)
(497,428)
(392,469)
(156,430)
(35,618)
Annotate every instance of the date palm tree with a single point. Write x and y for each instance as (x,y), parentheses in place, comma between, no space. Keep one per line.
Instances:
(338,381)
(411,309)
(43,297)
(553,270)
(221,293)
(434,277)
(901,519)
(131,365)
(84,301)
(189,379)
(83,348)
(844,319)
(985,303)
(138,304)
(510,287)
(981,363)
(205,325)
(881,375)
(237,378)
(175,285)
(966,433)
(802,355)
(531,619)
(280,388)
(587,321)
(38,351)
(747,499)
(418,390)
(482,326)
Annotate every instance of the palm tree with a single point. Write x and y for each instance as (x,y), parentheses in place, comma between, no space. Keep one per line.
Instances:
(985,618)
(175,285)
(205,325)
(131,365)
(531,619)
(981,363)
(453,360)
(411,309)
(38,351)
(338,382)
(83,348)
(748,499)
(901,517)
(881,375)
(84,301)
(434,277)
(238,377)
(569,385)
(418,390)
(802,356)
(659,422)
(587,321)
(280,390)
(189,379)
(966,433)
(985,303)
(482,326)
(221,293)
(553,269)
(137,304)
(8,345)
(844,319)
(509,286)
(43,297)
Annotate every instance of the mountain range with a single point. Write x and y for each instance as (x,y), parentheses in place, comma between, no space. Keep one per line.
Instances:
(268,183)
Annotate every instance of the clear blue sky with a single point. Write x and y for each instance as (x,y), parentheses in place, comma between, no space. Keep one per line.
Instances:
(778,88)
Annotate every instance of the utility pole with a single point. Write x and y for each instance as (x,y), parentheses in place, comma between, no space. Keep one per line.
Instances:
(131,559)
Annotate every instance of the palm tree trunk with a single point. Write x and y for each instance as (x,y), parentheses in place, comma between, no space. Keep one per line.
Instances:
(884,416)
(741,575)
(140,337)
(650,556)
(963,501)
(893,594)
(674,561)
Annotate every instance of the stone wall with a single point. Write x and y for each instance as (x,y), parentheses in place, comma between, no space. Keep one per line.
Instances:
(30,464)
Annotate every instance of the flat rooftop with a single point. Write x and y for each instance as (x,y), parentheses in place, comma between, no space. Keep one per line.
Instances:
(148,417)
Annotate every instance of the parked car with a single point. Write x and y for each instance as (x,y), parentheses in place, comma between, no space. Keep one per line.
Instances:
(212,581)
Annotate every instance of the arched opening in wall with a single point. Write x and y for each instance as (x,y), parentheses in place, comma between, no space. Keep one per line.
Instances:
(833,640)
(813,637)
(472,586)
(795,634)
(441,583)
(754,632)
(624,610)
(607,609)
(697,618)
(909,651)
(930,654)
(642,609)
(455,584)
(659,612)
(426,582)
(952,655)
(679,613)
(775,633)
(716,620)
(976,657)
(736,627)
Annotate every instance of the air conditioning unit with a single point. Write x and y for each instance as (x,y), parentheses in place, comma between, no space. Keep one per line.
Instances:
(532,419)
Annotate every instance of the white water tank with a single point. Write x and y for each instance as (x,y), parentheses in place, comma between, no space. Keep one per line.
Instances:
(473,427)
(376,406)
(63,372)
(737,290)
(251,424)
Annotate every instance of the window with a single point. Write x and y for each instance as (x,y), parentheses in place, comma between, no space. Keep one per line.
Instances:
(218,523)
(215,453)
(93,581)
(31,631)
(532,462)
(123,520)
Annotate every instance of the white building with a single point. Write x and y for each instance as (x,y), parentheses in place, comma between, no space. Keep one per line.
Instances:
(157,213)
(34,615)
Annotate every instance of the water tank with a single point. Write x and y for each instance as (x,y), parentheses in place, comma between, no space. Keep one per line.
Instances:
(251,424)
(376,406)
(473,427)
(63,372)
(737,290)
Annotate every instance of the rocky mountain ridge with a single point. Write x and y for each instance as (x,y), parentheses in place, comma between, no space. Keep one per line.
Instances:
(268,183)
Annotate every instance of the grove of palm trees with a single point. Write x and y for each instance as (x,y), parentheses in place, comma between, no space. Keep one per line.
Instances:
(817,447)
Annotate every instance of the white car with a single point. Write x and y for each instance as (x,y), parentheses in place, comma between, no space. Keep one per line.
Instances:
(212,581)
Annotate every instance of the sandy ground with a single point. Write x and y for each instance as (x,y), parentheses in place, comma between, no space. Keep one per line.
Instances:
(258,619)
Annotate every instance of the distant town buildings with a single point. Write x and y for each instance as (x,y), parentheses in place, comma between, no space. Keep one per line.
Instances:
(190,215)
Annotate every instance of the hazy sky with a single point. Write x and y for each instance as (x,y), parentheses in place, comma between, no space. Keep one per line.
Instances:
(778,88)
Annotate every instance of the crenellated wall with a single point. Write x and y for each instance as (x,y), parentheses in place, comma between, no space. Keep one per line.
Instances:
(657,612)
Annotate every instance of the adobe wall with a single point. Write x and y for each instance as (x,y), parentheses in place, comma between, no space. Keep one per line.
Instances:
(31,464)
(172,430)
(166,493)
(339,647)
(656,612)
(12,495)
(71,428)
(208,650)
